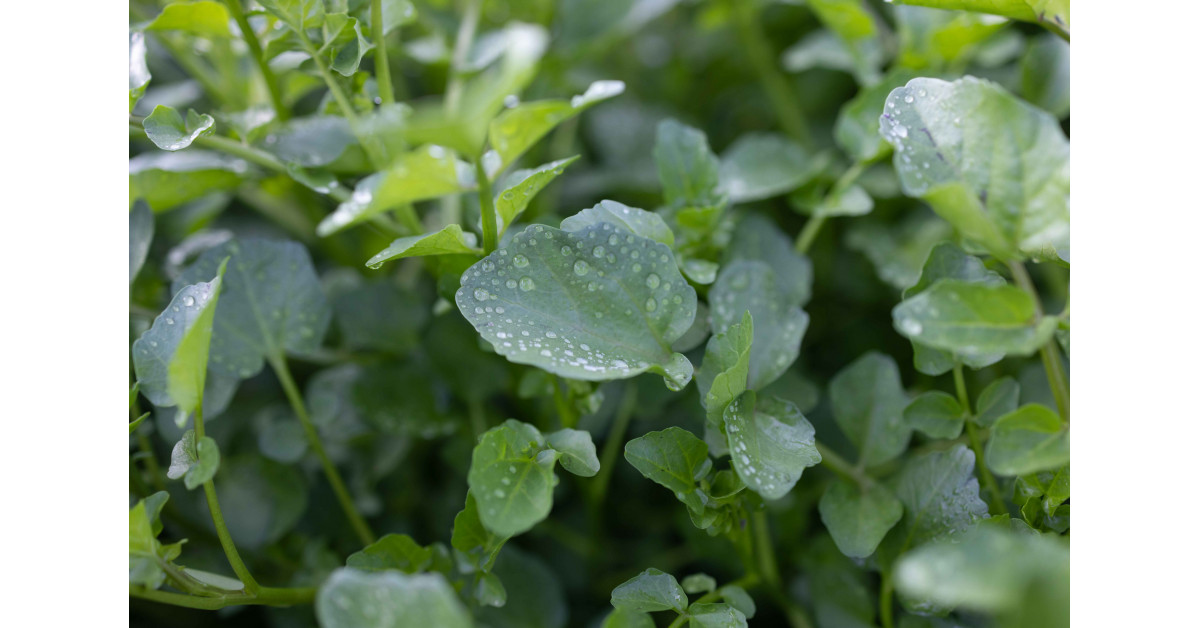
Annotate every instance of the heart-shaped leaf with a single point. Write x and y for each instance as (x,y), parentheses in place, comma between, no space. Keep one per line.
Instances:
(858,517)
(868,405)
(596,304)
(770,442)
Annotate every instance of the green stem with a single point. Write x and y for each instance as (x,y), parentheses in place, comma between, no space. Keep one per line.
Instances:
(997,506)
(768,570)
(279,364)
(383,74)
(841,466)
(811,228)
(567,417)
(614,443)
(487,209)
(478,419)
(266,596)
(754,41)
(370,144)
(214,507)
(195,69)
(1056,374)
(885,600)
(256,53)
(452,203)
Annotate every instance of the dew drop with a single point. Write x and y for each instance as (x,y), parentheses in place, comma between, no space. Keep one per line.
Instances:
(581,268)
(651,304)
(527,284)
(169,321)
(511,283)
(508,195)
(598,251)
(908,98)
(487,266)
(189,301)
(520,261)
(652,281)
(565,250)
(481,294)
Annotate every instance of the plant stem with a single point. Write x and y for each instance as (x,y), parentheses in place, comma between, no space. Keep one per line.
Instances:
(214,507)
(462,47)
(1056,374)
(885,600)
(487,208)
(768,570)
(256,53)
(266,596)
(840,466)
(279,364)
(383,74)
(614,443)
(567,417)
(997,506)
(754,40)
(809,233)
(370,144)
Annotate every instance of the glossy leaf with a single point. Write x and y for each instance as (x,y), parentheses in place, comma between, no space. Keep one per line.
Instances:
(167,180)
(517,129)
(272,304)
(594,304)
(512,484)
(426,172)
(141,232)
(950,138)
(395,551)
(146,552)
(355,599)
(935,414)
(139,73)
(858,517)
(725,371)
(519,188)
(770,442)
(1033,438)
(940,494)
(976,321)
(998,399)
(688,169)
(857,128)
(715,616)
(577,449)
(637,221)
(449,240)
(650,591)
(206,18)
(310,141)
(169,131)
(868,404)
(674,458)
(762,165)
(779,323)
(171,358)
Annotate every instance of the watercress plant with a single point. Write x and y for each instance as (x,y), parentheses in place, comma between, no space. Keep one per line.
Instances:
(430,300)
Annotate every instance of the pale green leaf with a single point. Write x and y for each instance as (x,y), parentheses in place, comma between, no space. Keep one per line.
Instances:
(355,599)
(998,399)
(166,180)
(759,238)
(762,165)
(1057,12)
(449,240)
(857,128)
(1046,74)
(141,232)
(471,538)
(133,425)
(674,458)
(519,188)
(637,221)
(627,619)
(868,404)
(297,14)
(856,26)
(398,552)
(426,172)
(941,39)
(715,616)
(698,583)
(310,141)
(518,128)
(595,304)
(577,449)
(146,553)
(770,442)
(183,456)
(687,167)
(1030,439)
(858,517)
(169,131)
(344,43)
(950,139)
(935,414)
(171,358)
(139,74)
(940,494)
(650,591)
(513,488)
(208,460)
(852,201)
(726,369)
(779,323)
(206,18)
(272,303)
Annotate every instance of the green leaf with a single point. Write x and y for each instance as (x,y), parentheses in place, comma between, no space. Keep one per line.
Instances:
(139,74)
(376,314)
(168,130)
(779,323)
(857,128)
(715,616)
(394,551)
(1055,11)
(137,422)
(992,570)
(183,456)
(141,232)
(396,13)
(858,517)
(311,141)
(344,44)
(762,165)
(699,583)
(726,369)
(852,201)
(297,14)
(271,304)
(637,221)
(426,172)
(1033,438)
(650,591)
(355,599)
(936,414)
(262,499)
(868,404)
(998,399)
(577,449)
(973,320)
(449,240)
(673,458)
(940,494)
(167,180)
(737,597)
(595,304)
(627,619)
(513,487)
(208,460)
(171,358)
(472,538)
(688,169)
(517,129)
(205,18)
(898,250)
(146,553)
(1046,74)
(535,597)
(519,188)
(771,443)
(855,25)
(951,137)
(758,238)
(942,39)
